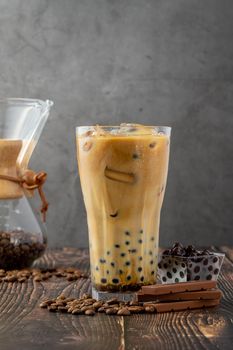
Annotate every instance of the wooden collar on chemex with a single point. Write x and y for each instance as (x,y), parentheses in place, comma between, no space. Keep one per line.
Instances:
(29,180)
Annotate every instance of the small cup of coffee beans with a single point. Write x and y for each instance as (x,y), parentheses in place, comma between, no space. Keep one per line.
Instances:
(18,249)
(183,264)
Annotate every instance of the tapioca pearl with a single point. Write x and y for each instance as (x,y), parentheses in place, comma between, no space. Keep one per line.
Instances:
(122,255)
(169,275)
(117,245)
(196,278)
(142,279)
(141,231)
(150,252)
(107,272)
(165,266)
(140,258)
(152,144)
(112,264)
(209,277)
(108,252)
(140,241)
(120,272)
(152,262)
(152,272)
(115,280)
(139,269)
(196,269)
(205,262)
(127,242)
(216,271)
(174,270)
(97,268)
(135,156)
(127,233)
(128,278)
(176,280)
(181,274)
(159,265)
(169,261)
(152,239)
(215,259)
(190,265)
(164,279)
(132,251)
(102,261)
(176,262)
(183,264)
(127,263)
(210,268)
(103,280)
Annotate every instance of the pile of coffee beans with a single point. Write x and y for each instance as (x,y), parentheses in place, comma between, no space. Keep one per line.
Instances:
(86,305)
(19,249)
(182,264)
(38,275)
(179,250)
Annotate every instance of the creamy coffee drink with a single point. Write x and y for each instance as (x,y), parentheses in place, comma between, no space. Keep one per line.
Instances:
(9,152)
(123,172)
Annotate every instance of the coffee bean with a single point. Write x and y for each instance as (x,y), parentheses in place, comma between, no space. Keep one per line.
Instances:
(62,308)
(61,296)
(84,308)
(150,309)
(12,278)
(86,296)
(123,312)
(52,308)
(71,277)
(37,278)
(111,311)
(43,305)
(97,304)
(77,311)
(101,309)
(22,279)
(90,312)
(136,309)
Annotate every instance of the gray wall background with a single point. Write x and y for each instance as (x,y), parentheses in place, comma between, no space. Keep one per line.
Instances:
(167,62)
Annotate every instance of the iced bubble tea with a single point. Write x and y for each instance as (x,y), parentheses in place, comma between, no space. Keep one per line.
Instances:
(123,172)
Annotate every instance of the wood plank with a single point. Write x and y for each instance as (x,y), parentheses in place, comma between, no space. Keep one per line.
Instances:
(36,328)
(23,325)
(200,329)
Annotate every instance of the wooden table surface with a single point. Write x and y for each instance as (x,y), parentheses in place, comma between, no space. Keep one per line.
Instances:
(24,325)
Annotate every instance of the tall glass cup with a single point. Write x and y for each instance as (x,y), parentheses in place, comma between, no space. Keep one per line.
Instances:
(123,171)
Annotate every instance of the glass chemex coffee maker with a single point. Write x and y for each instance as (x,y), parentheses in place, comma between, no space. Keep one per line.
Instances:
(22,229)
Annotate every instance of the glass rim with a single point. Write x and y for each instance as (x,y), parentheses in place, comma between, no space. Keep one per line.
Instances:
(194,256)
(167,129)
(26,101)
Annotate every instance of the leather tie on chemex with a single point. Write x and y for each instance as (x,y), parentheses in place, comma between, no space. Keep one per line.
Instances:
(29,180)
